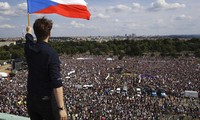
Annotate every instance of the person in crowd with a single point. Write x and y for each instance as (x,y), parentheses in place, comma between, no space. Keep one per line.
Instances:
(102,101)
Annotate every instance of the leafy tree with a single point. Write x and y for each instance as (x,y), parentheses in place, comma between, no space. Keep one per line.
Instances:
(4,55)
(197,53)
(181,46)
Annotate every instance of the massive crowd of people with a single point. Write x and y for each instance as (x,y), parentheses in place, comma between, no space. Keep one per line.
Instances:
(102,87)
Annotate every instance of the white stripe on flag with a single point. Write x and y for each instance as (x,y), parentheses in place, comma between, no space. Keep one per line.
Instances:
(77,2)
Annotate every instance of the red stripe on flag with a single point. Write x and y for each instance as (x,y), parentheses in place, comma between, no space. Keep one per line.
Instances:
(73,11)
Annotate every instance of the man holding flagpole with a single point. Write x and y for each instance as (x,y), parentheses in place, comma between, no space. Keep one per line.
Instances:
(45,99)
(45,89)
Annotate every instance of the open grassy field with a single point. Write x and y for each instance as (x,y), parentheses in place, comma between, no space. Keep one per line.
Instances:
(5,68)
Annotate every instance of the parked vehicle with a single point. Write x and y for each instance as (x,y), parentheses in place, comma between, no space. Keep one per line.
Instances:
(191,94)
(161,93)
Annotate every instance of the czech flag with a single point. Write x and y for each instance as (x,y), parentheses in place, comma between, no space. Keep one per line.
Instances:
(67,8)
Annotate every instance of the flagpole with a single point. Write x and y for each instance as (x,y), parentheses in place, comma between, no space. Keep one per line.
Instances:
(28,19)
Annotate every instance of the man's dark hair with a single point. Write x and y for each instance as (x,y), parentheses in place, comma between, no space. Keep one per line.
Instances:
(42,28)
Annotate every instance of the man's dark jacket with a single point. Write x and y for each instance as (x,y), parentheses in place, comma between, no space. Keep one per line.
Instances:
(43,67)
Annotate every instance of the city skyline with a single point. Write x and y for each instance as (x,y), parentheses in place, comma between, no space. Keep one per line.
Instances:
(110,17)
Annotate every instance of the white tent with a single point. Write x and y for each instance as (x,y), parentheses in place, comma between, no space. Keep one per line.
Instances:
(84,58)
(71,72)
(109,59)
(3,74)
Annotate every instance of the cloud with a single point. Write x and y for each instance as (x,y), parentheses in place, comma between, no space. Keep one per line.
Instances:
(80,25)
(6,26)
(131,25)
(115,20)
(119,8)
(77,25)
(8,12)
(163,5)
(17,10)
(56,26)
(22,6)
(183,17)
(159,23)
(4,6)
(21,9)
(3,18)
(92,27)
(136,7)
(101,16)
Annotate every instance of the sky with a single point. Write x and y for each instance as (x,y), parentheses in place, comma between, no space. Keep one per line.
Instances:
(110,17)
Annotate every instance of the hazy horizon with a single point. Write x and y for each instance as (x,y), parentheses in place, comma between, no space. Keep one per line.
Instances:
(109,18)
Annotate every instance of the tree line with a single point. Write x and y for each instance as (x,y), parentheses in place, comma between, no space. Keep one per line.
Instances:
(160,47)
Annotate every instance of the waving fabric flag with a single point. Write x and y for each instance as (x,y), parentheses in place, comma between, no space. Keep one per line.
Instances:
(67,8)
